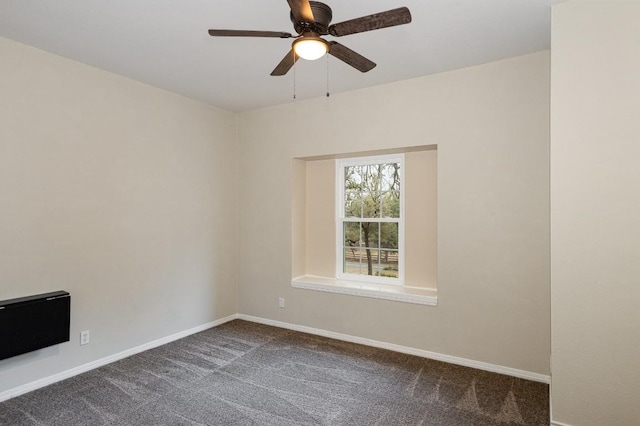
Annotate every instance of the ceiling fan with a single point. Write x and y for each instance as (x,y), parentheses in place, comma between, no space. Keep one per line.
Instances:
(311,20)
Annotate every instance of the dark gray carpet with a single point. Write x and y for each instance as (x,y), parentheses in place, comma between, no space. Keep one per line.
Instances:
(242,373)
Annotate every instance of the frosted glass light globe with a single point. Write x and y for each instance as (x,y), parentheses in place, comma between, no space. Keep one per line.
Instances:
(310,48)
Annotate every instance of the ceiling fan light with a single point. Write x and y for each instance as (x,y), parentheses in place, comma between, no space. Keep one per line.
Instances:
(310,48)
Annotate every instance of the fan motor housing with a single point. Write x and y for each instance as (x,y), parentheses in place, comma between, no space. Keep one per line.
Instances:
(322,15)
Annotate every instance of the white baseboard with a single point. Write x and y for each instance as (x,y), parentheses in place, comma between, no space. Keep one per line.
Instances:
(11,393)
(109,359)
(559,424)
(405,349)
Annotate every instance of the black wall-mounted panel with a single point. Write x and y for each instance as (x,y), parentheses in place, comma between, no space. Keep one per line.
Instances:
(34,322)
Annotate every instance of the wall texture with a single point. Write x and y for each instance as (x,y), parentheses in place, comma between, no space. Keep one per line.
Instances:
(595,213)
(122,194)
(491,125)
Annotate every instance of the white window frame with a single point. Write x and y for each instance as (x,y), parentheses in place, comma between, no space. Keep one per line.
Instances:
(340,218)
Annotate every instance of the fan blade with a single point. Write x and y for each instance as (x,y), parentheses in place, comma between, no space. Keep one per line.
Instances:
(301,10)
(376,21)
(285,64)
(241,33)
(350,57)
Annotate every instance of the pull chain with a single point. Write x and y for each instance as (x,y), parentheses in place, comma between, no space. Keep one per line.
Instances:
(327,75)
(294,74)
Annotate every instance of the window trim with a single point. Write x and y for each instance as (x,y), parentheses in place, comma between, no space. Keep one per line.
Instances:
(340,165)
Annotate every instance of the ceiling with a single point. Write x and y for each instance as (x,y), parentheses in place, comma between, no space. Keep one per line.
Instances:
(165,43)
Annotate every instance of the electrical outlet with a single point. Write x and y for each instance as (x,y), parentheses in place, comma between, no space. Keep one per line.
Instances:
(84,337)
(281,302)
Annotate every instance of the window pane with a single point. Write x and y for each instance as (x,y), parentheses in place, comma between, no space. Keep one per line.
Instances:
(390,204)
(351,234)
(352,204)
(370,181)
(389,235)
(390,177)
(353,178)
(370,264)
(371,204)
(389,263)
(352,262)
(371,178)
(370,234)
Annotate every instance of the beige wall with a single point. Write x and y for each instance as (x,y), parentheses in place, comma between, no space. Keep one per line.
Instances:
(320,242)
(421,218)
(491,126)
(420,182)
(123,195)
(595,213)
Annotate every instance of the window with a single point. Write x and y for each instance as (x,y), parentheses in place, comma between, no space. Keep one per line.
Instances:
(369,225)
(349,217)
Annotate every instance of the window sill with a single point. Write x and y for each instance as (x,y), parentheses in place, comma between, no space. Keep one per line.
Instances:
(418,295)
